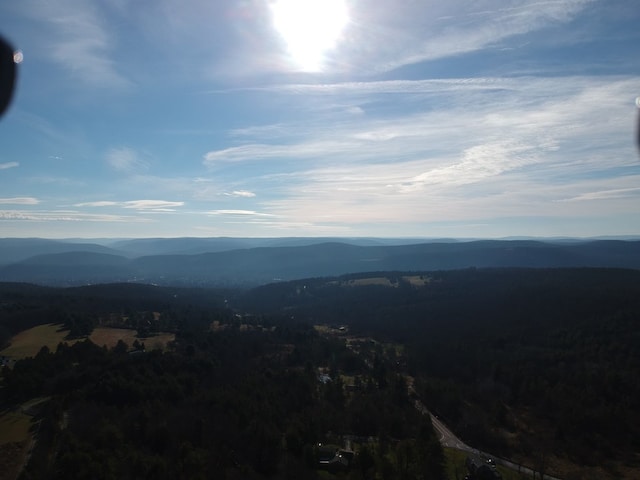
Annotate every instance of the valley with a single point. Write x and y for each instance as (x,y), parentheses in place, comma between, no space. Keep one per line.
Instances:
(474,360)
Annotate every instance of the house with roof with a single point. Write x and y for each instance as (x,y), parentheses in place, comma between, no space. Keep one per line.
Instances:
(479,470)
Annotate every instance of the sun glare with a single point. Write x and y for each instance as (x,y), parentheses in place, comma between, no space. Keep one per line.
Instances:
(310,28)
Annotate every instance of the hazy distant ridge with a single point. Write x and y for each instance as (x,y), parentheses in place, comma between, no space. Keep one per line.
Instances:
(259,265)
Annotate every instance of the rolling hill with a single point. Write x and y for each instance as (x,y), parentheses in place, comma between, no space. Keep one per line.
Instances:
(90,263)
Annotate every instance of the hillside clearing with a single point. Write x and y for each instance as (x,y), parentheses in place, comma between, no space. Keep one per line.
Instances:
(29,342)
(14,427)
(111,336)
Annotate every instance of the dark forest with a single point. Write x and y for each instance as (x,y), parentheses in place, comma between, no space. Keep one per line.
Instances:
(321,376)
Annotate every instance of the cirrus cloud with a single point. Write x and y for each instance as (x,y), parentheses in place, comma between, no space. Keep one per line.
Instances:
(7,165)
(19,201)
(142,205)
(125,160)
(240,193)
(249,213)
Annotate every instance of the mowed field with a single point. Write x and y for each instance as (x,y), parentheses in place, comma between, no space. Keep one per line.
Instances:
(110,337)
(14,427)
(14,442)
(29,342)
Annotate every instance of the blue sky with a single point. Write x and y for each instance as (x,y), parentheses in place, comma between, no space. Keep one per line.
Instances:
(393,118)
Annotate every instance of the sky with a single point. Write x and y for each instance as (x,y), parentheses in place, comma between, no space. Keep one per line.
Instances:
(350,118)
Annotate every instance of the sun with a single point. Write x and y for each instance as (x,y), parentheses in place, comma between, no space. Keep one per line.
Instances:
(310,28)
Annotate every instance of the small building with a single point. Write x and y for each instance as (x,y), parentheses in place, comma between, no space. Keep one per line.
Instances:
(335,459)
(479,470)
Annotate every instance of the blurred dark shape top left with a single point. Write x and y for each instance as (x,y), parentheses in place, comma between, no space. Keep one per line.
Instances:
(8,72)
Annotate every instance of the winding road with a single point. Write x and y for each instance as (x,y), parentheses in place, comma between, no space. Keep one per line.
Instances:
(448,439)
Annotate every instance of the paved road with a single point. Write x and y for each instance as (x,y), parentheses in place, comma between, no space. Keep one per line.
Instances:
(448,439)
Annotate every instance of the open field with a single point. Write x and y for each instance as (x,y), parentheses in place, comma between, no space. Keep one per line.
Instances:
(417,280)
(16,437)
(323,329)
(110,337)
(370,281)
(14,427)
(29,342)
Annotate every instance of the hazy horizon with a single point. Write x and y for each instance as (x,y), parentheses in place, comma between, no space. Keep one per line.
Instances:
(330,238)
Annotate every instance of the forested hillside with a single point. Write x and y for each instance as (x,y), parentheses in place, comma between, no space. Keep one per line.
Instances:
(233,397)
(530,364)
(296,378)
(224,266)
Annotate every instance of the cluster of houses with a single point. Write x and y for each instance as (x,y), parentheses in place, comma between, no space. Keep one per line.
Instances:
(6,361)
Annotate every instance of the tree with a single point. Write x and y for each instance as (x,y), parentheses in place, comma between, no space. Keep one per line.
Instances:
(121,347)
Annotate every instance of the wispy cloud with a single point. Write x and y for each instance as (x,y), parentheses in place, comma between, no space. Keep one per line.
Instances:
(480,162)
(126,160)
(411,33)
(97,204)
(142,205)
(266,151)
(19,201)
(385,35)
(365,88)
(8,165)
(240,213)
(480,148)
(68,140)
(153,205)
(608,194)
(79,40)
(240,193)
(66,216)
(521,120)
(258,131)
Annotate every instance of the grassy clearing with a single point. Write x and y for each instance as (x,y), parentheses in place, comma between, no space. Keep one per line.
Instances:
(29,342)
(322,329)
(16,438)
(110,337)
(417,280)
(370,281)
(14,427)
(456,468)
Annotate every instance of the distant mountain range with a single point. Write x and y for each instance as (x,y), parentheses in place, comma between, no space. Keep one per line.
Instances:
(251,261)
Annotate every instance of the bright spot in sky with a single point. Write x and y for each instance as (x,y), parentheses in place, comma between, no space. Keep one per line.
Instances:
(310,28)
